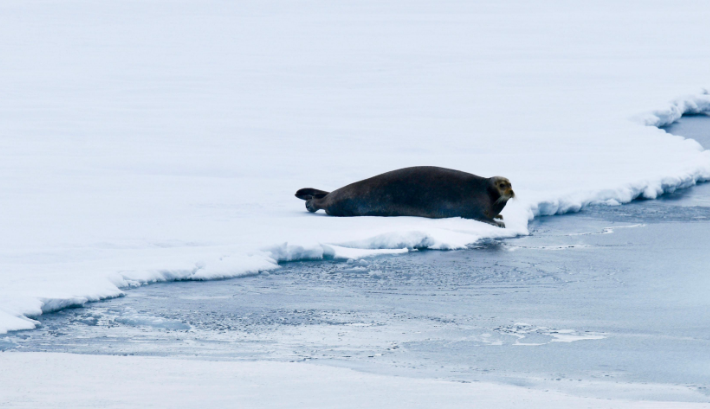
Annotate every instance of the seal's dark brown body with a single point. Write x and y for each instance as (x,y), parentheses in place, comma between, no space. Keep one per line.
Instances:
(423,191)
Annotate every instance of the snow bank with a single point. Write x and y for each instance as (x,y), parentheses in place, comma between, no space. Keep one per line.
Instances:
(689,105)
(153,141)
(62,381)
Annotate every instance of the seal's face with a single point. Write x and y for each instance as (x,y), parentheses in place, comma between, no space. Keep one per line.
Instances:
(504,188)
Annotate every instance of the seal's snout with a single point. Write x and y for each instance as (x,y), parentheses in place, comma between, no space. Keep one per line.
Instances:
(504,187)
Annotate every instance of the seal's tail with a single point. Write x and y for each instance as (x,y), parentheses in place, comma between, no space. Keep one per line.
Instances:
(308,194)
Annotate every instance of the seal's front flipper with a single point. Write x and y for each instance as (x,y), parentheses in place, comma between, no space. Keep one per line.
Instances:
(494,221)
(308,193)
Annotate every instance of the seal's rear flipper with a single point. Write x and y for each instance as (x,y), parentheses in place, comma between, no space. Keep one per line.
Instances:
(308,193)
(311,206)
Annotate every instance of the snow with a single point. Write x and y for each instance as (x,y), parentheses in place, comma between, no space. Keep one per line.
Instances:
(31,380)
(153,141)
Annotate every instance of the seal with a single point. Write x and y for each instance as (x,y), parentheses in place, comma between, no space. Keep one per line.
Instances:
(423,191)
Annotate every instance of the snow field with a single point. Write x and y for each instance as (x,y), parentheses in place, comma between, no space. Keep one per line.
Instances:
(152,141)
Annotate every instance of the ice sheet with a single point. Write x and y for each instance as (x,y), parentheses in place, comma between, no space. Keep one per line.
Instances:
(61,381)
(150,141)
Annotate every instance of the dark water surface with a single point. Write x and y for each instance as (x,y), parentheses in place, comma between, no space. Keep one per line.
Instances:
(610,293)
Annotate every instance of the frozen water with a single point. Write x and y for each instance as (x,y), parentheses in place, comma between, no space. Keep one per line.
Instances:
(89,381)
(631,307)
(614,293)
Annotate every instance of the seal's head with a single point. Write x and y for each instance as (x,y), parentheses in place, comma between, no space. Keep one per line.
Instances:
(503,187)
